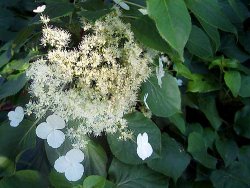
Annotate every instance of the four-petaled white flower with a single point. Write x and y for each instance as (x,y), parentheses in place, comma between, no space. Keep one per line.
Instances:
(70,164)
(39,9)
(179,82)
(16,116)
(144,149)
(160,72)
(49,130)
(143,11)
(145,100)
(122,4)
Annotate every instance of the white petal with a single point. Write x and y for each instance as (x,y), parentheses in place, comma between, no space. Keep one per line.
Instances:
(145,100)
(39,9)
(122,4)
(145,137)
(43,130)
(139,139)
(14,123)
(144,151)
(179,82)
(75,156)
(11,115)
(19,112)
(55,121)
(61,164)
(55,138)
(74,172)
(143,11)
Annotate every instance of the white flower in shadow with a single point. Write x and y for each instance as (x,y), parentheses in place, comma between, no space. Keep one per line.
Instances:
(49,130)
(39,9)
(160,72)
(70,164)
(144,149)
(16,116)
(122,4)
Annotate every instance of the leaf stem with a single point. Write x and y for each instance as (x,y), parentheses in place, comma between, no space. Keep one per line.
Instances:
(135,4)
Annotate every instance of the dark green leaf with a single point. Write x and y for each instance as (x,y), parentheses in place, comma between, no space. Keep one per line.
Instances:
(98,182)
(209,11)
(179,122)
(240,9)
(244,156)
(233,81)
(13,85)
(139,176)
(173,159)
(93,15)
(59,180)
(197,147)
(237,175)
(228,150)
(172,20)
(242,119)
(163,101)
(245,89)
(126,151)
(199,44)
(7,167)
(24,179)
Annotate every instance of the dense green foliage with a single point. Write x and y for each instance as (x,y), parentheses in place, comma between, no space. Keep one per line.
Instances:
(200,131)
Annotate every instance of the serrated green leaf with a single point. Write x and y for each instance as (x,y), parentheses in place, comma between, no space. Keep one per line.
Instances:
(173,159)
(197,147)
(163,101)
(126,151)
(13,85)
(138,176)
(199,44)
(236,175)
(227,149)
(172,21)
(209,11)
(233,81)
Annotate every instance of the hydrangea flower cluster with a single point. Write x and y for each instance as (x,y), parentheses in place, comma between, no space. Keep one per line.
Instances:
(94,84)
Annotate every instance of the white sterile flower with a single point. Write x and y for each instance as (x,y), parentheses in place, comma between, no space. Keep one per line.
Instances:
(143,11)
(166,60)
(49,130)
(122,4)
(145,100)
(70,164)
(179,82)
(160,72)
(144,149)
(16,116)
(39,9)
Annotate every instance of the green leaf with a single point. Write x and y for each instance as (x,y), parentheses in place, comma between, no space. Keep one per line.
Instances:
(93,15)
(212,32)
(208,106)
(24,179)
(98,182)
(22,138)
(199,44)
(245,89)
(138,176)
(59,180)
(13,85)
(240,9)
(182,70)
(7,167)
(126,151)
(244,156)
(242,119)
(172,21)
(146,32)
(163,101)
(228,150)
(202,83)
(4,58)
(209,11)
(230,49)
(178,120)
(173,159)
(237,175)
(233,81)
(197,147)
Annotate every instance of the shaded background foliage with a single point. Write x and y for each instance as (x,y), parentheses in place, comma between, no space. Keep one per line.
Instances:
(200,132)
